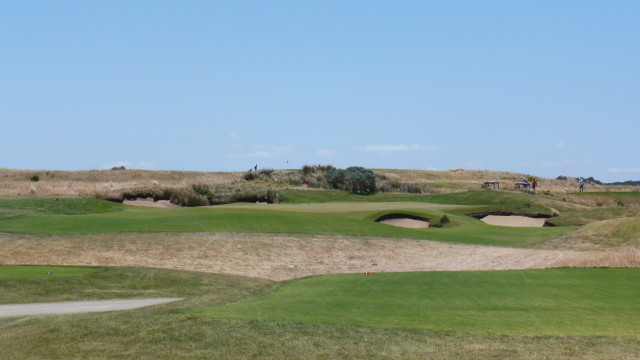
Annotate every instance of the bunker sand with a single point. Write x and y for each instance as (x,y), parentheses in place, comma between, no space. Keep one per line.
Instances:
(513,221)
(275,256)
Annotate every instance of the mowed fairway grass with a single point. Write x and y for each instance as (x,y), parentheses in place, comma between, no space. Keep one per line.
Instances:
(585,302)
(348,218)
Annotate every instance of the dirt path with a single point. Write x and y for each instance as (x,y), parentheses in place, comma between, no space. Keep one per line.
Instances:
(69,307)
(275,257)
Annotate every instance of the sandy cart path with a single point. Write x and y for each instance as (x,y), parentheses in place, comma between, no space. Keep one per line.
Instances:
(69,307)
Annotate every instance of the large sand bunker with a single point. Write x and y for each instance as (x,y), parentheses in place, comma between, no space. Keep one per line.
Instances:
(513,221)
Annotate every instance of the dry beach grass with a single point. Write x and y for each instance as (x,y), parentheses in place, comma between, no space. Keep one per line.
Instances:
(54,183)
(283,257)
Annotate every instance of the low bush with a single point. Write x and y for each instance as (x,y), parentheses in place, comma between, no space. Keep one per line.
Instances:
(384,185)
(35,178)
(335,178)
(360,180)
(250,175)
(311,169)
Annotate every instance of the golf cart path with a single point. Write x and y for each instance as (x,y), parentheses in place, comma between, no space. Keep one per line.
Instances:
(69,307)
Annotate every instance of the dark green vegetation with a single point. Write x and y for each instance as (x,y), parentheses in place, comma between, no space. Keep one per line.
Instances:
(584,302)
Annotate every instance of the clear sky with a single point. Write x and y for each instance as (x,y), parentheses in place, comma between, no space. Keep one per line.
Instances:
(546,88)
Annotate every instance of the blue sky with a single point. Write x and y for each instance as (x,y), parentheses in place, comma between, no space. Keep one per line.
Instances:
(545,88)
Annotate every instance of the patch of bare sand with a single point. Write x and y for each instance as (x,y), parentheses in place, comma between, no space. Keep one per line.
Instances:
(513,221)
(407,223)
(150,203)
(275,257)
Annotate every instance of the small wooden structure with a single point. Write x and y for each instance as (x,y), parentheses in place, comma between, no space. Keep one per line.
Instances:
(491,185)
(522,185)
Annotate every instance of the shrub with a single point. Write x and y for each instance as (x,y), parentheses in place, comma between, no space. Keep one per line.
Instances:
(250,175)
(360,180)
(188,198)
(335,178)
(265,173)
(203,190)
(310,169)
(35,178)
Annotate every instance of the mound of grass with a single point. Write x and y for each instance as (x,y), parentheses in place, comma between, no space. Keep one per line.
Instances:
(24,284)
(585,302)
(270,220)
(16,272)
(61,206)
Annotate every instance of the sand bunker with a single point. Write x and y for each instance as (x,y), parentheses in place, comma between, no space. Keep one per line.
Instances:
(407,223)
(404,220)
(150,203)
(513,221)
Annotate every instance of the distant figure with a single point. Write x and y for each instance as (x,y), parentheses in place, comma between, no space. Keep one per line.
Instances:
(256,167)
(534,183)
(581,183)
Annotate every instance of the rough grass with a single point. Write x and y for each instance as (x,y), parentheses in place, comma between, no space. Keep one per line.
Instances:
(26,284)
(615,232)
(172,331)
(163,333)
(18,272)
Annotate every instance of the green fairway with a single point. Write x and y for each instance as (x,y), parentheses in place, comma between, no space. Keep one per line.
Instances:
(344,218)
(39,272)
(585,302)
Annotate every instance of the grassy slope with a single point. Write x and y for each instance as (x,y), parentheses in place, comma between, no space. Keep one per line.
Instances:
(354,218)
(586,302)
(172,331)
(24,284)
(43,272)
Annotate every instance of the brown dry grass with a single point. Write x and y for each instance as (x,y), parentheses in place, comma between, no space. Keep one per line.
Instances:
(91,183)
(277,257)
(472,179)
